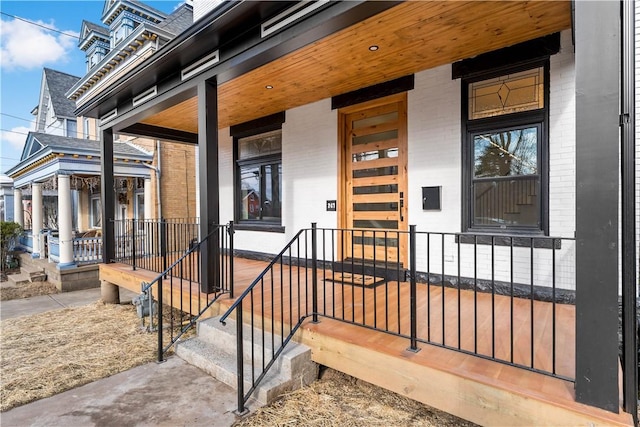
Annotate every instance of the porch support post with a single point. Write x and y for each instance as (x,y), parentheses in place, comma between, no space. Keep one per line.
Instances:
(18,209)
(209,184)
(65,225)
(628,179)
(597,46)
(37,220)
(148,200)
(108,196)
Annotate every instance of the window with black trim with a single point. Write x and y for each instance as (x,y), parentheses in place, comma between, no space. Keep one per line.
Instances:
(257,151)
(505,166)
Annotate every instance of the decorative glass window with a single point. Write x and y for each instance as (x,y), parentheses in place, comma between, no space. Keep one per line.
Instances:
(511,93)
(259,171)
(505,156)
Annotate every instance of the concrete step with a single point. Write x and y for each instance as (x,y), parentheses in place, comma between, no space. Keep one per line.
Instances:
(293,358)
(36,274)
(19,279)
(293,369)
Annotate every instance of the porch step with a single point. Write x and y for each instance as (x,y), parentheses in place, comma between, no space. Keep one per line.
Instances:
(19,279)
(36,274)
(214,351)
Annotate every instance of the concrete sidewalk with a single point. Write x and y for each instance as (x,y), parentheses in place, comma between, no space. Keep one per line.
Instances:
(40,304)
(172,393)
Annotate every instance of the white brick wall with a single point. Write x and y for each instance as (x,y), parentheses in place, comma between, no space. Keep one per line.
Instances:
(310,174)
(434,148)
(435,160)
(310,170)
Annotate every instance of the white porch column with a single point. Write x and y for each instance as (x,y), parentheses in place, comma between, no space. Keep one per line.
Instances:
(18,210)
(148,201)
(37,219)
(65,222)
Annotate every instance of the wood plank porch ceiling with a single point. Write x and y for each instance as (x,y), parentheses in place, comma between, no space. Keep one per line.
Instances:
(411,37)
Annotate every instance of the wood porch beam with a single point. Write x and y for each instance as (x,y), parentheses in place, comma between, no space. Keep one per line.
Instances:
(158,132)
(209,182)
(597,47)
(108,196)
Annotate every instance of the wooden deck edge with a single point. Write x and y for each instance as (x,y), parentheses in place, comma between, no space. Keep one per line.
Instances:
(131,280)
(463,397)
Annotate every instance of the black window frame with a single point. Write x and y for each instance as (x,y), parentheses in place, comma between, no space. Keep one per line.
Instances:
(252,128)
(470,128)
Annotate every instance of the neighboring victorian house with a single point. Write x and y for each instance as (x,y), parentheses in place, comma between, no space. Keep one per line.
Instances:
(129,32)
(471,146)
(56,195)
(65,148)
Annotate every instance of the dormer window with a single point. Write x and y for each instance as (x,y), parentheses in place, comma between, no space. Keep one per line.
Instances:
(95,56)
(122,31)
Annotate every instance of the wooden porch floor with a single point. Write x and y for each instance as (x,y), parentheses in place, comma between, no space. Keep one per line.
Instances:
(471,387)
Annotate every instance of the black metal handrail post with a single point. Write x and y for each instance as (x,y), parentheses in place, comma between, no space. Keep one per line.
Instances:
(160,337)
(413,290)
(314,271)
(231,232)
(163,243)
(240,360)
(133,243)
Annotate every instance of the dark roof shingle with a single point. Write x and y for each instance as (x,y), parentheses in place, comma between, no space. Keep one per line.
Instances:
(100,29)
(58,84)
(179,20)
(63,143)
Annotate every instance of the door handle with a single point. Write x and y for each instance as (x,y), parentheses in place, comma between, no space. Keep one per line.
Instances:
(401,206)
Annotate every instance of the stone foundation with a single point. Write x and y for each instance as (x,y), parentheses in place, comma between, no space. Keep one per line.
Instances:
(72,279)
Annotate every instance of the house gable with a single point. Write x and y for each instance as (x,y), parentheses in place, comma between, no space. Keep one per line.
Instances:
(31,147)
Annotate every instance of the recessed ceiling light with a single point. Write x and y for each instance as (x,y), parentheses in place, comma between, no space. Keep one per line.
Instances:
(268,87)
(373,48)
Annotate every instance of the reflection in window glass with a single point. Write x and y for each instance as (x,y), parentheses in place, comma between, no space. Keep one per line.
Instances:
(96,212)
(507,153)
(260,177)
(374,155)
(72,128)
(375,120)
(375,137)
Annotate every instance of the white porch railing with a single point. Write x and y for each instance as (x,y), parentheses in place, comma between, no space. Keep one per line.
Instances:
(86,250)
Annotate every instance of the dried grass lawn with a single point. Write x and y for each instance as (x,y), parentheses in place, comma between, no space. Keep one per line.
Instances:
(8,292)
(48,353)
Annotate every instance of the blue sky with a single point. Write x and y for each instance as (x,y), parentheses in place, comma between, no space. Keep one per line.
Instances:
(26,48)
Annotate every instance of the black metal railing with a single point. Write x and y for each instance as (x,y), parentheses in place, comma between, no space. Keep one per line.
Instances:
(275,303)
(153,244)
(505,298)
(178,288)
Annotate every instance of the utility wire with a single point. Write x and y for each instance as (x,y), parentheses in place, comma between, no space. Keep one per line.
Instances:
(39,25)
(19,118)
(13,131)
